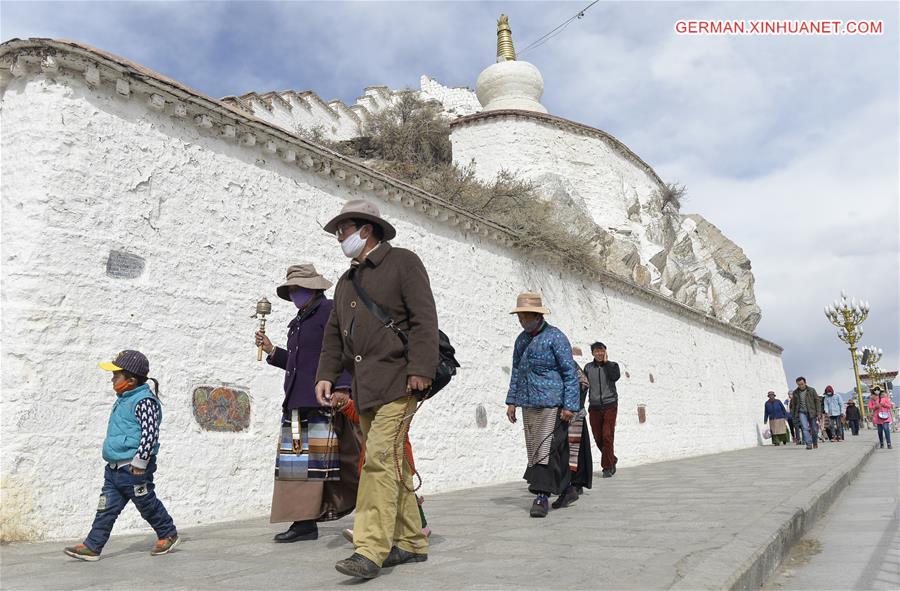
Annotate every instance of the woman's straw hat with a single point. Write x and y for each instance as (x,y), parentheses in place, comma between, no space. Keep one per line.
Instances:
(529,302)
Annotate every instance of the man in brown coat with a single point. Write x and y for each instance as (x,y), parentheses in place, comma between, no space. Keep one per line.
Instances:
(387,530)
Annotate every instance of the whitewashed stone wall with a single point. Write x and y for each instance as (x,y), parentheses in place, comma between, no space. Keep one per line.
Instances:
(304,111)
(86,171)
(337,121)
(573,167)
(457,101)
(600,177)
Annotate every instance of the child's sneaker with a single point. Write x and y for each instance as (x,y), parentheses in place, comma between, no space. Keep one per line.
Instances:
(164,546)
(82,552)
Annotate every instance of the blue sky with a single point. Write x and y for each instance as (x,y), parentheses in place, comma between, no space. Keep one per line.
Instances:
(788,144)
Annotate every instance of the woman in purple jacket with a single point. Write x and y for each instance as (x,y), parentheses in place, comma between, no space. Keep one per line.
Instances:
(307,495)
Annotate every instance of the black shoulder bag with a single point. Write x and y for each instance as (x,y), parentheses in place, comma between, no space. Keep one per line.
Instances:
(447,363)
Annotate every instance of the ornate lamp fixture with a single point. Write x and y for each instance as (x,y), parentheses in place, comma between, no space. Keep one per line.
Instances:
(848,316)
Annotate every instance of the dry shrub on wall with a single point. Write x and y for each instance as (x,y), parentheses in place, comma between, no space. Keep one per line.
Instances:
(316,135)
(672,197)
(411,141)
(669,200)
(410,131)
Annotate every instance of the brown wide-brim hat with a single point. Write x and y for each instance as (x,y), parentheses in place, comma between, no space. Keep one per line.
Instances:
(528,301)
(304,275)
(360,209)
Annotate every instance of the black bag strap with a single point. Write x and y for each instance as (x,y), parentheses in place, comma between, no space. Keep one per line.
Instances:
(375,309)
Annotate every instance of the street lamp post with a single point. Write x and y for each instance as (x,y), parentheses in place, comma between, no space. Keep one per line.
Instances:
(847,316)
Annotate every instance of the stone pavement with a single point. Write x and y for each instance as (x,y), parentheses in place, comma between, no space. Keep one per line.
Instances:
(856,544)
(711,522)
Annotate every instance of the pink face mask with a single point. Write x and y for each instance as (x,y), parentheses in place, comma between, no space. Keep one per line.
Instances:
(301,296)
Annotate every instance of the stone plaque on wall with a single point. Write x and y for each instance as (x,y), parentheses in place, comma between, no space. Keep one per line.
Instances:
(124,265)
(221,408)
(481,416)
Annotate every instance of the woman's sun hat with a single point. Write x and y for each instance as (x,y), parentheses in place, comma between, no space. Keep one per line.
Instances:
(528,301)
(304,275)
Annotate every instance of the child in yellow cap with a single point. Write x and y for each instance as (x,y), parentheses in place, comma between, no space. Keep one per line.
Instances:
(130,447)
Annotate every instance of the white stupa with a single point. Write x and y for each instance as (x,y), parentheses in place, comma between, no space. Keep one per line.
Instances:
(509,83)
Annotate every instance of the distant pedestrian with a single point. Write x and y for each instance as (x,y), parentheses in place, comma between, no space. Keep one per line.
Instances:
(824,422)
(776,416)
(852,414)
(807,409)
(792,425)
(834,409)
(129,450)
(544,383)
(881,406)
(581,464)
(826,428)
(604,405)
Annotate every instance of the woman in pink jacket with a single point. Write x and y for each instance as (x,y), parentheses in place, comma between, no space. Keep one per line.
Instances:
(880,404)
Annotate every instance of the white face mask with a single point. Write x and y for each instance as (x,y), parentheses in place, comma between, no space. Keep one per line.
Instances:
(353,245)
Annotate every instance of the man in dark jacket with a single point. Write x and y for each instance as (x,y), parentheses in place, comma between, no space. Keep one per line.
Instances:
(853,417)
(386,377)
(604,404)
(807,409)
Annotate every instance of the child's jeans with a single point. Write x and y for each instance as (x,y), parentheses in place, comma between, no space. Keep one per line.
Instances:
(119,487)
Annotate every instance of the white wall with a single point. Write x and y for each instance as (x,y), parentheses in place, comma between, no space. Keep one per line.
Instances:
(457,102)
(569,165)
(579,167)
(338,122)
(85,171)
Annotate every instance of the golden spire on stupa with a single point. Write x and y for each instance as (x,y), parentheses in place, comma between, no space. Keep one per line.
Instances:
(505,50)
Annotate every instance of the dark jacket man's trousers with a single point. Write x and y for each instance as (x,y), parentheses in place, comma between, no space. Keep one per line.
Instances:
(603,426)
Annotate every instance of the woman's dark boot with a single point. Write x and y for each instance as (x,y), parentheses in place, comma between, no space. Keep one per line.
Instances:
(569,496)
(299,531)
(540,506)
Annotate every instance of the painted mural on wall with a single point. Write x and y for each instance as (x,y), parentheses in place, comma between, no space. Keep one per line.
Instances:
(221,408)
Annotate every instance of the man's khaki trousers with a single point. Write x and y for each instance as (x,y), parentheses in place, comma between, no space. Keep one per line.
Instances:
(386,511)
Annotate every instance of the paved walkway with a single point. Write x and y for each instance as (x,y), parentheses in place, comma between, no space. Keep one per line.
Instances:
(856,545)
(695,523)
